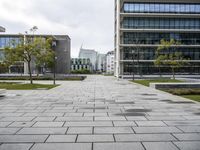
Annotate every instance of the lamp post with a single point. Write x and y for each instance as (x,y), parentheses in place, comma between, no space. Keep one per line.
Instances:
(54,67)
(54,71)
(133,65)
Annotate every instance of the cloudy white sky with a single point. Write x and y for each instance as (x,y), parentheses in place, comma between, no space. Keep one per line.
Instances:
(87,22)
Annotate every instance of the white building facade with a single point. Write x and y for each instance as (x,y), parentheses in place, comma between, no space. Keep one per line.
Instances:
(80,64)
(110,62)
(101,63)
(2,29)
(89,54)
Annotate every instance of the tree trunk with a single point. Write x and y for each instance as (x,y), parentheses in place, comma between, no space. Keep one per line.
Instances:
(160,71)
(38,71)
(30,73)
(173,72)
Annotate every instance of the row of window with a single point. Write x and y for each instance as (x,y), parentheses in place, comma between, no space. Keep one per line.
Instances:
(79,67)
(161,23)
(161,8)
(150,68)
(154,38)
(80,61)
(8,41)
(149,53)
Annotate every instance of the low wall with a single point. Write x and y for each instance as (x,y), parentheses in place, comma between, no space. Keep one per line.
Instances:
(174,85)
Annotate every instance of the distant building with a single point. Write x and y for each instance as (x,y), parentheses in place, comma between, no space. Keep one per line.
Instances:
(2,29)
(62,48)
(101,62)
(80,64)
(110,62)
(89,54)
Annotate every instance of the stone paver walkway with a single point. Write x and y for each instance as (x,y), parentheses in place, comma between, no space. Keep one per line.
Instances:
(99,113)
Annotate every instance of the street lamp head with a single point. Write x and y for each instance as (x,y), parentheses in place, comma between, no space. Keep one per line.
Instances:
(54,43)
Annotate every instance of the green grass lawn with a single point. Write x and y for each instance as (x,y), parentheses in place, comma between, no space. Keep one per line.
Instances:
(147,82)
(73,78)
(19,86)
(193,97)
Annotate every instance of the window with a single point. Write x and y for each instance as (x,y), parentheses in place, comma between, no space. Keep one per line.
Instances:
(157,8)
(182,8)
(198,8)
(167,7)
(137,7)
(192,8)
(142,8)
(151,7)
(187,8)
(131,7)
(162,7)
(171,23)
(176,24)
(126,7)
(146,6)
(172,8)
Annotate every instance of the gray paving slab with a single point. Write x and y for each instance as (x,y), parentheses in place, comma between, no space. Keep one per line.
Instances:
(22,138)
(80,130)
(109,118)
(110,113)
(61,138)
(4,124)
(42,131)
(185,145)
(88,124)
(159,146)
(9,130)
(48,124)
(15,146)
(17,119)
(118,146)
(150,123)
(74,119)
(188,136)
(112,130)
(156,130)
(62,146)
(21,124)
(95,138)
(189,128)
(144,137)
(124,123)
(44,118)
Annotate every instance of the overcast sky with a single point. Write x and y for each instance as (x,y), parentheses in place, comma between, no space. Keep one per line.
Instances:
(87,22)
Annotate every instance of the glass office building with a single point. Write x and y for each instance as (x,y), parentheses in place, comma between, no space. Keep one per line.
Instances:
(140,25)
(62,50)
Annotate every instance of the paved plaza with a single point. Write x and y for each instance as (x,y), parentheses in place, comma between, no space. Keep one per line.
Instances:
(100,113)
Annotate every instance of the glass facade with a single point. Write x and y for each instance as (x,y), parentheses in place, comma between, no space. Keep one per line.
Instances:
(149,68)
(179,18)
(160,23)
(8,41)
(161,8)
(147,53)
(5,42)
(154,38)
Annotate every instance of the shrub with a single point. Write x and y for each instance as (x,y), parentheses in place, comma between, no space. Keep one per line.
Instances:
(185,91)
(82,71)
